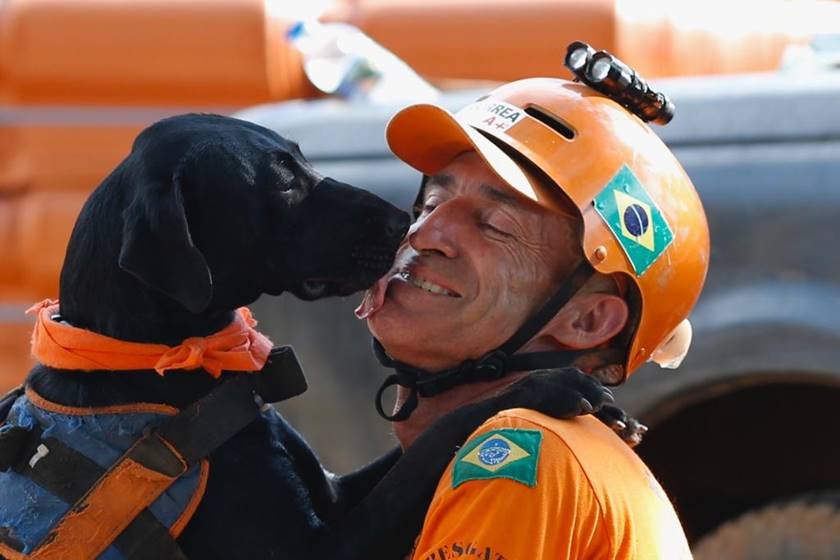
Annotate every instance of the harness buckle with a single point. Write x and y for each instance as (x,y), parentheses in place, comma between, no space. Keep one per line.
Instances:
(40,452)
(155,453)
(282,376)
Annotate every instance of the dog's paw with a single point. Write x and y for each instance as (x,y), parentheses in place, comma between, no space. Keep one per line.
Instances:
(562,393)
(626,427)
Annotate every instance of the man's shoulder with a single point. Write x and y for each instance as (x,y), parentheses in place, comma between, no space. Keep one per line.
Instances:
(571,432)
(583,445)
(586,450)
(509,492)
(517,444)
(525,469)
(500,449)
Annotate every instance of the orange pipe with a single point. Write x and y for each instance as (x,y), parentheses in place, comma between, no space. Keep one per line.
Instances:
(505,40)
(147,52)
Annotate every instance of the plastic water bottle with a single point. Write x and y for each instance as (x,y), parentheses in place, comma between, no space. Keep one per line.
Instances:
(340,60)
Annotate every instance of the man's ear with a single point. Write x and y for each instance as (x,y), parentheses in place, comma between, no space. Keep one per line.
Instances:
(157,247)
(587,321)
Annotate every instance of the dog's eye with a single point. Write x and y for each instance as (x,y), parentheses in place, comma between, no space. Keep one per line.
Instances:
(285,169)
(287,178)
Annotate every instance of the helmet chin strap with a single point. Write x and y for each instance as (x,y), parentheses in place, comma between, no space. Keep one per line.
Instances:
(491,366)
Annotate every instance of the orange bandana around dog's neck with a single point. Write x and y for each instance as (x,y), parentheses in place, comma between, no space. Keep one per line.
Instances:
(237,347)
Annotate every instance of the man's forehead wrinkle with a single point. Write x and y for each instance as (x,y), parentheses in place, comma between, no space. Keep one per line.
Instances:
(500,195)
(454,183)
(448,182)
(442,180)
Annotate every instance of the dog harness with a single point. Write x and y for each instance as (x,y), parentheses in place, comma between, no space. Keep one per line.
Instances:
(123,481)
(62,451)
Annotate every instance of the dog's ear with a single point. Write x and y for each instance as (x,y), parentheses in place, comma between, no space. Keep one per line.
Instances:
(157,247)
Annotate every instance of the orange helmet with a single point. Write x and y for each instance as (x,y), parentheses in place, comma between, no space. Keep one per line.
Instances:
(640,213)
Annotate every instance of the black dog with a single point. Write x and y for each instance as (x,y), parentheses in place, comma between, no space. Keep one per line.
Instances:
(204,215)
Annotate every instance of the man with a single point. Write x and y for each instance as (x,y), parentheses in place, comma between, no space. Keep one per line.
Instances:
(553,228)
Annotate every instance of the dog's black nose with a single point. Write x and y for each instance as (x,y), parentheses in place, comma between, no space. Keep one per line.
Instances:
(397,224)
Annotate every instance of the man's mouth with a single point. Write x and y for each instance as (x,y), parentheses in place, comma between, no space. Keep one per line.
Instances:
(425,284)
(375,296)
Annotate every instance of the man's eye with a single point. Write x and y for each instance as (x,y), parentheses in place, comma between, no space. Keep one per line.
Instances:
(428,206)
(494,229)
(499,222)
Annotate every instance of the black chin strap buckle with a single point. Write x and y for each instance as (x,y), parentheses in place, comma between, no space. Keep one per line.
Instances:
(410,403)
(404,376)
(490,367)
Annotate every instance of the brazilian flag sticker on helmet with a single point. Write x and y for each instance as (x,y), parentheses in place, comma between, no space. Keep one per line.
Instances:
(634,218)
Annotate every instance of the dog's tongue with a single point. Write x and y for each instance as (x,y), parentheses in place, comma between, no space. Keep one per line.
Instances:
(373,300)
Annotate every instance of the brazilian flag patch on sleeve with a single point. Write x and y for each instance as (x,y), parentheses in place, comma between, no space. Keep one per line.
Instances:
(506,453)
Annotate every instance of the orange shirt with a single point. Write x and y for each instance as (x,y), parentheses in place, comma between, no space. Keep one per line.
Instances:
(528,487)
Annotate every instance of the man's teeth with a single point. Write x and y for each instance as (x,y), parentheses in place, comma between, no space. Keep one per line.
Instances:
(425,284)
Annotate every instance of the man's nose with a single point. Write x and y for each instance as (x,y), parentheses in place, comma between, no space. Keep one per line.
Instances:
(437,231)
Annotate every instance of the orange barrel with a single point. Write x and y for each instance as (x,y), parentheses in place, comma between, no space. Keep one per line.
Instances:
(512,39)
(47,169)
(147,52)
(15,361)
(482,39)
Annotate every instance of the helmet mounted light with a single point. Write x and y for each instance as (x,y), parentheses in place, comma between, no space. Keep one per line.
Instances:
(578,55)
(606,74)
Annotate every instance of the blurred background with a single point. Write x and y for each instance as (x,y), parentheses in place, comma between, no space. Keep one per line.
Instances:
(743,436)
